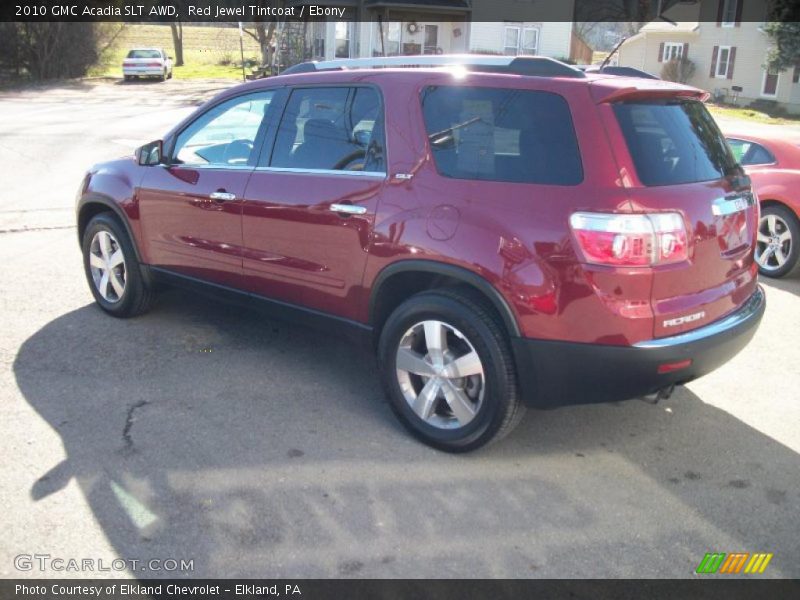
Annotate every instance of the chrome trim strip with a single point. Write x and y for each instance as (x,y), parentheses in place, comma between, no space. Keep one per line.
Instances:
(208,167)
(753,306)
(372,174)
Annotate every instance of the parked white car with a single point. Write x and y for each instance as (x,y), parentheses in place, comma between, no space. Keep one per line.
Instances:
(147,62)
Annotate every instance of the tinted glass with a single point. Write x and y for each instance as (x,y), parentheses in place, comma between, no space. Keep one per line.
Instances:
(497,134)
(750,153)
(331,128)
(674,142)
(225,135)
(144,54)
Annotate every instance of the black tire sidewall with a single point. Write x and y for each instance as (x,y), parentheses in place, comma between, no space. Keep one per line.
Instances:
(794,227)
(133,278)
(498,388)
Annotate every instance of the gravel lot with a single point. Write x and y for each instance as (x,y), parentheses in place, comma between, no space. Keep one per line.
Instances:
(257,449)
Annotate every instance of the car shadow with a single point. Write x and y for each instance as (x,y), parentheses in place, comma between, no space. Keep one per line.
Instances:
(789,284)
(140,81)
(253,448)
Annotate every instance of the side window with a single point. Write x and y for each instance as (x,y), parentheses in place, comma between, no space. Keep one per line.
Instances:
(750,153)
(496,134)
(331,128)
(225,135)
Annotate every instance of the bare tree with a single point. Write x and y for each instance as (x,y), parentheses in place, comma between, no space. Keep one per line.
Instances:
(177,41)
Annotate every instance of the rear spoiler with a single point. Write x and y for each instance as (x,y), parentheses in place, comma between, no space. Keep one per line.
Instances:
(603,95)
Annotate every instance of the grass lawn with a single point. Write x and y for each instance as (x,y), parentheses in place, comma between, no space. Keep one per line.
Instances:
(208,52)
(749,114)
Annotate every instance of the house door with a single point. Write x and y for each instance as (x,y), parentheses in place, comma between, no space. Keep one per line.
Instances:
(431,39)
(770,84)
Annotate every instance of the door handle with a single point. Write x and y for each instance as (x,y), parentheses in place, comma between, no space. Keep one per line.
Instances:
(222,196)
(348,209)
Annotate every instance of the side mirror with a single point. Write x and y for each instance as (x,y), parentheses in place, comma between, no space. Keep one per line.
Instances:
(150,154)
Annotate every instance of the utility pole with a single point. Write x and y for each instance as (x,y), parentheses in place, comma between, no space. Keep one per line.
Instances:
(241,48)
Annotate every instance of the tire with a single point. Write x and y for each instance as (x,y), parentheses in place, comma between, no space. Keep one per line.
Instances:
(169,76)
(163,76)
(136,295)
(128,77)
(778,245)
(488,405)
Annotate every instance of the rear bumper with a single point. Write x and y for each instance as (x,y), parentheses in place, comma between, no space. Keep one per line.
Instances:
(143,72)
(555,373)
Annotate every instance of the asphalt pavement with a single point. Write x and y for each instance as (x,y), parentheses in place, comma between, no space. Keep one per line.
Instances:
(210,434)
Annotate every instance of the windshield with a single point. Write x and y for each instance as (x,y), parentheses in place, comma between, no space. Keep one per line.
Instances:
(674,141)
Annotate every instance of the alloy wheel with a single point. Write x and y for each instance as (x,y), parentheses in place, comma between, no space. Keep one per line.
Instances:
(774,243)
(107,265)
(440,374)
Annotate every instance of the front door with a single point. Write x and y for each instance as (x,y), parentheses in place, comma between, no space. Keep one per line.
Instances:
(310,207)
(191,207)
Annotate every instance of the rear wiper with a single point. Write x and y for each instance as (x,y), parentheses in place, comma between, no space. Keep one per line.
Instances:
(446,135)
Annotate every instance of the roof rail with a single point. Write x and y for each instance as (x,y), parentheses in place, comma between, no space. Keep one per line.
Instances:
(537,66)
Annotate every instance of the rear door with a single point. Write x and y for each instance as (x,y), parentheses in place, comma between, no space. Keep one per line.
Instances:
(678,160)
(310,205)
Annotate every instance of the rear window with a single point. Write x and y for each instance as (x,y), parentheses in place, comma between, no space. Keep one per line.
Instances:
(144,54)
(750,153)
(494,134)
(675,141)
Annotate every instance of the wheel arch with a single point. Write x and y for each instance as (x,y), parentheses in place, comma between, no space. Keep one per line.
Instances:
(775,202)
(402,279)
(92,205)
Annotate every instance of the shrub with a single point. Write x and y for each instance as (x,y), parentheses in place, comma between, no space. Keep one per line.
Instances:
(679,70)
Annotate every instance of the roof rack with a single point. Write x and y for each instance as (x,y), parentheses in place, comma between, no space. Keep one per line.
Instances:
(537,66)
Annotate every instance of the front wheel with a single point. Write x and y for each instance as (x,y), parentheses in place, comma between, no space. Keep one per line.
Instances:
(448,371)
(778,243)
(112,270)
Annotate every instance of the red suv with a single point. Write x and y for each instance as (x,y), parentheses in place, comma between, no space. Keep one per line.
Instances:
(504,231)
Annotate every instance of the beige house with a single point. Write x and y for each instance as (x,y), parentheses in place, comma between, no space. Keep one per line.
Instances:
(726,42)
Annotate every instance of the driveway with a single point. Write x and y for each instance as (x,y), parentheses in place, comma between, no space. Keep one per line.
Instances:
(206,433)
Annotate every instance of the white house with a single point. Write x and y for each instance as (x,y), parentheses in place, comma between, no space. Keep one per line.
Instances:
(409,27)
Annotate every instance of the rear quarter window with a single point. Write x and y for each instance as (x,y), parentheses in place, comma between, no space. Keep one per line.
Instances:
(495,134)
(673,142)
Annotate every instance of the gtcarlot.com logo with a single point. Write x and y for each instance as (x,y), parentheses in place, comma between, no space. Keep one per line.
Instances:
(734,563)
(46,562)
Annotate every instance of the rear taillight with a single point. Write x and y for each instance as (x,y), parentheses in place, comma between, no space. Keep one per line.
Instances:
(128,64)
(634,240)
(153,64)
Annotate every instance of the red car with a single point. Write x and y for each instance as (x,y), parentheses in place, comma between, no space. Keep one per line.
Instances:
(504,232)
(773,164)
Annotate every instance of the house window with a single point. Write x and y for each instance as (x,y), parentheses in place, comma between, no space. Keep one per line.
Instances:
(521,40)
(530,40)
(728,13)
(318,49)
(342,39)
(723,62)
(511,46)
(672,51)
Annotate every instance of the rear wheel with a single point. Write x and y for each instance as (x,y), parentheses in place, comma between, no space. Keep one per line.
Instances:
(448,371)
(112,270)
(778,243)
